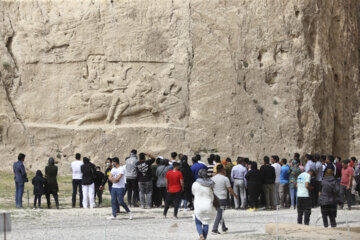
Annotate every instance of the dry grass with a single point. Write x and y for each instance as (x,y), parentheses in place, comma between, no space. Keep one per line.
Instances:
(7,192)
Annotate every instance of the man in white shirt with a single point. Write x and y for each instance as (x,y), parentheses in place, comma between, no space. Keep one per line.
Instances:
(117,177)
(275,164)
(173,158)
(76,178)
(303,196)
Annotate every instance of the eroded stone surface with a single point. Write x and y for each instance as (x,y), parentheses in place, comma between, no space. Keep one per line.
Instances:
(236,77)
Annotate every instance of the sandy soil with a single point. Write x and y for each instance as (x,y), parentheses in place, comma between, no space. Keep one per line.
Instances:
(149,224)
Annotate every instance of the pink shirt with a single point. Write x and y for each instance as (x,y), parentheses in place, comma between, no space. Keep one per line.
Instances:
(345,175)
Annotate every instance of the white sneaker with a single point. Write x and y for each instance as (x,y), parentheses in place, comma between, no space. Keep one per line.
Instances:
(111,218)
(130,216)
(186,210)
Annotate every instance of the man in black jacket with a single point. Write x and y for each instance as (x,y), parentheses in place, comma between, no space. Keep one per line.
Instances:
(268,180)
(88,182)
(143,169)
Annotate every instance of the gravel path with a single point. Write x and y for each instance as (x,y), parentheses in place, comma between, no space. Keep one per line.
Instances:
(149,224)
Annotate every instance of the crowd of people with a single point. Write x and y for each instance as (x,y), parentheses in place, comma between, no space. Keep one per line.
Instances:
(207,189)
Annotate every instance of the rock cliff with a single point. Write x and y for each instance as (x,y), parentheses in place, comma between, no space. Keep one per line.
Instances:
(241,77)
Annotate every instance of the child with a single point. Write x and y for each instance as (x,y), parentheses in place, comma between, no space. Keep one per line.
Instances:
(38,181)
(98,181)
(329,198)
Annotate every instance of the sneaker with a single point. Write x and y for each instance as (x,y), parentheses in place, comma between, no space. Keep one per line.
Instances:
(225,229)
(186,210)
(100,206)
(111,218)
(34,208)
(215,232)
(251,209)
(130,216)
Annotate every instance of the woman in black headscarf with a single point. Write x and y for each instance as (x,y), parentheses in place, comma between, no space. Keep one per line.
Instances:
(253,178)
(51,182)
(188,181)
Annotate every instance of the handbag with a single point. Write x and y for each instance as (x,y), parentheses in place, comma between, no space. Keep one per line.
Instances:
(216,201)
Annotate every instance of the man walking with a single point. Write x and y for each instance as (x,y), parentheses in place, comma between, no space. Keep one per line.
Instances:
(276,165)
(174,186)
(117,177)
(268,180)
(347,174)
(238,174)
(20,179)
(76,179)
(221,189)
(303,192)
(131,179)
(144,174)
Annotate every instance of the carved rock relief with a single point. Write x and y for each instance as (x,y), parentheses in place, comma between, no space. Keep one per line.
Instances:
(128,90)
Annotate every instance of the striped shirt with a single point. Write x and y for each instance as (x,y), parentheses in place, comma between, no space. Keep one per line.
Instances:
(210,170)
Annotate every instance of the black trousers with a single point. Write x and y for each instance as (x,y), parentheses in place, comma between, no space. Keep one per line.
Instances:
(162,194)
(132,187)
(56,198)
(37,198)
(175,198)
(304,209)
(98,193)
(329,211)
(156,199)
(315,197)
(76,183)
(253,198)
(312,193)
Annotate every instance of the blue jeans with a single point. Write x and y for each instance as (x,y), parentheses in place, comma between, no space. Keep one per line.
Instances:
(201,229)
(293,193)
(185,203)
(18,194)
(117,195)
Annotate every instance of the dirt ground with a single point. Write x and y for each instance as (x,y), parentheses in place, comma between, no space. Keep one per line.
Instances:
(149,224)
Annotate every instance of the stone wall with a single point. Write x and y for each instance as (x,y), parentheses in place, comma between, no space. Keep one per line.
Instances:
(236,77)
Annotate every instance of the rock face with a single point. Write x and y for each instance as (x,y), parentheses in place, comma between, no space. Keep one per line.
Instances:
(236,77)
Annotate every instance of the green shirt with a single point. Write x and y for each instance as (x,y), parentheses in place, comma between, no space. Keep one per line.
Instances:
(294,172)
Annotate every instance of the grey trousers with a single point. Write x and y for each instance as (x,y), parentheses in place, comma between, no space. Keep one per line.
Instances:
(146,189)
(347,194)
(284,194)
(240,190)
(220,215)
(276,193)
(269,190)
